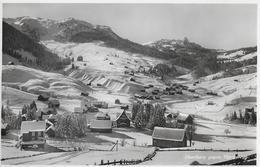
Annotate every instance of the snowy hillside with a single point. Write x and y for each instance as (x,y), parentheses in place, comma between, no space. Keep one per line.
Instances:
(36,81)
(238,55)
(96,56)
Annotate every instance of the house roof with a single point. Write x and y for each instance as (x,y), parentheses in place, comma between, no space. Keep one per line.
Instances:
(182,116)
(32,126)
(101,124)
(170,134)
(102,115)
(54,101)
(118,115)
(3,125)
(51,116)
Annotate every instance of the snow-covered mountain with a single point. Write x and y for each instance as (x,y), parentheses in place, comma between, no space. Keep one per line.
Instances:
(79,31)
(239,55)
(176,46)
(47,29)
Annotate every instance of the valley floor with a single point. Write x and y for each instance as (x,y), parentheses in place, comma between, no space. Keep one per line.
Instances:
(136,144)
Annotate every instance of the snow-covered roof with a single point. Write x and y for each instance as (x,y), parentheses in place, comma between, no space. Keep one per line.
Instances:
(182,116)
(118,115)
(32,126)
(101,124)
(3,125)
(170,134)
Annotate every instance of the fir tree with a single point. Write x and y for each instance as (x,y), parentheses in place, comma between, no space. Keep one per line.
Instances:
(246,117)
(235,115)
(139,121)
(253,118)
(135,109)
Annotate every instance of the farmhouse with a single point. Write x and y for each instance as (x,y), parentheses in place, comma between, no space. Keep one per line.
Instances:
(32,133)
(184,118)
(43,97)
(121,120)
(54,103)
(180,118)
(49,110)
(101,126)
(3,128)
(169,137)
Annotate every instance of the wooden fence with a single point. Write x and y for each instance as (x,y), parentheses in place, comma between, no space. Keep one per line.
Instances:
(128,162)
(237,161)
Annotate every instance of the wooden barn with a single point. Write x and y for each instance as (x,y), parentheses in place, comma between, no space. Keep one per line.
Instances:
(181,118)
(104,126)
(32,133)
(169,137)
(43,97)
(122,120)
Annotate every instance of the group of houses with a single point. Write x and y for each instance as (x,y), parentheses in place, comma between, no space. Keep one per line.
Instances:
(105,122)
(34,131)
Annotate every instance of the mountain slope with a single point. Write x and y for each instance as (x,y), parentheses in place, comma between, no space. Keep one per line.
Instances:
(239,55)
(17,44)
(73,30)
(183,52)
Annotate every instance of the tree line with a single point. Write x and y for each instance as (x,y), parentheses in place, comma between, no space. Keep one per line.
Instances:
(249,117)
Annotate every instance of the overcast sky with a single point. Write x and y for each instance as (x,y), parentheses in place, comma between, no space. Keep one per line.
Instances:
(221,26)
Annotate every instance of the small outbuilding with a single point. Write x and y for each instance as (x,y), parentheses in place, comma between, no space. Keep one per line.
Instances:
(169,137)
(43,97)
(104,126)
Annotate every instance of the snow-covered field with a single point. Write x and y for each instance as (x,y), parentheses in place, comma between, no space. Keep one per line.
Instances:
(97,56)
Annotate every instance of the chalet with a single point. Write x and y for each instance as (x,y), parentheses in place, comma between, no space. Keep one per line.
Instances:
(210,103)
(91,109)
(43,97)
(99,104)
(54,103)
(52,118)
(169,137)
(84,94)
(132,79)
(124,107)
(49,110)
(117,101)
(196,96)
(3,128)
(184,118)
(191,90)
(32,133)
(121,120)
(101,126)
(10,63)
